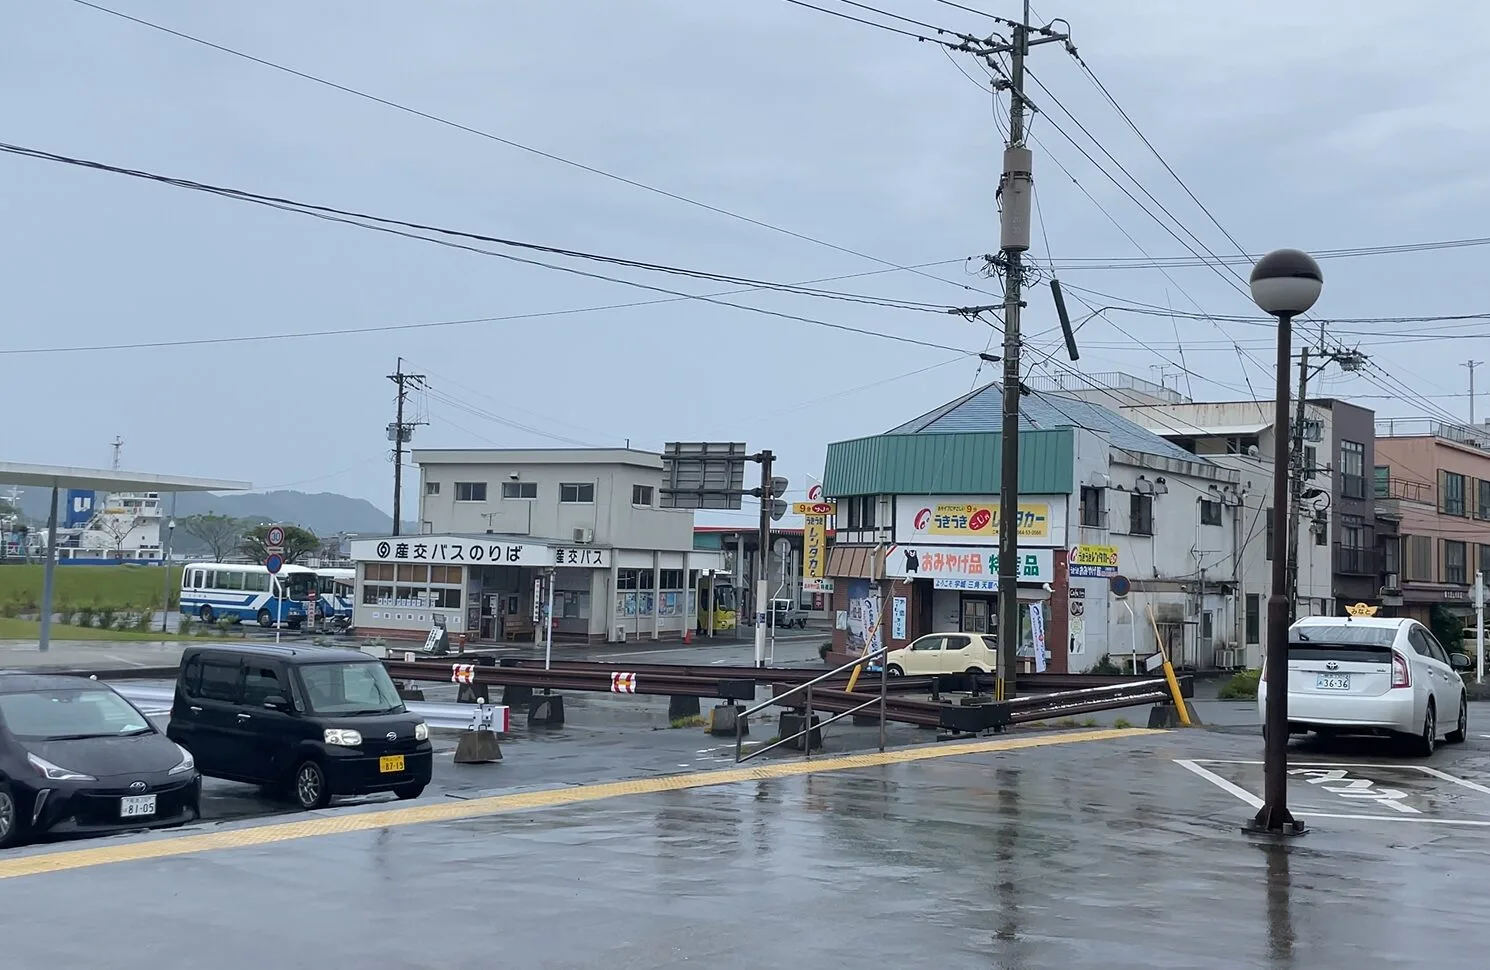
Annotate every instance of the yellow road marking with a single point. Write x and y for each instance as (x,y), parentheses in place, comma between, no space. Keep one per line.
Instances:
(270,833)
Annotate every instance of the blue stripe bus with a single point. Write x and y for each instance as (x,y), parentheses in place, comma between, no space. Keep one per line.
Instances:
(246,592)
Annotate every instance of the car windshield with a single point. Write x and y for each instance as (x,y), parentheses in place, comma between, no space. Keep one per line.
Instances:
(357,687)
(70,714)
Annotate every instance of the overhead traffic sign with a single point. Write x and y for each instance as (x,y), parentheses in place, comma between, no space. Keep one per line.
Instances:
(274,563)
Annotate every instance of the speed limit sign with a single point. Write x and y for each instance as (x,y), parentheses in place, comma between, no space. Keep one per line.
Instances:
(274,539)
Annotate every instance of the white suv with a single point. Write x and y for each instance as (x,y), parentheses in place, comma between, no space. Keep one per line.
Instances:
(1368,675)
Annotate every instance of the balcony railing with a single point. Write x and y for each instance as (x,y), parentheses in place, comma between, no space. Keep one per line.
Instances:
(1355,561)
(1406,491)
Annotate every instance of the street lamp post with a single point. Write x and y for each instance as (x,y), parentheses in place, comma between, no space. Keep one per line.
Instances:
(165,566)
(1285,283)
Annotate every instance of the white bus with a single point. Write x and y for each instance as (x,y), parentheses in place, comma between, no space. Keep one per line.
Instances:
(246,592)
(336,591)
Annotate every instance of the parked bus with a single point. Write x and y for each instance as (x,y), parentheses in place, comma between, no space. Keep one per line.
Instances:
(717,594)
(246,592)
(336,590)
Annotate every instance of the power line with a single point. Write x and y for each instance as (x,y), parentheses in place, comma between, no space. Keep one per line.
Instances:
(353,217)
(894,30)
(510,143)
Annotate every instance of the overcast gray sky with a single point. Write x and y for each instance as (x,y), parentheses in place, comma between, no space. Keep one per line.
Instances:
(1306,125)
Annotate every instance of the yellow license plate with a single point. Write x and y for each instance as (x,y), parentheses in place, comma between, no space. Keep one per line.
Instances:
(390,763)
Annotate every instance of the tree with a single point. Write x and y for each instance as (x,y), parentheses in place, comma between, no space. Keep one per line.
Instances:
(118,529)
(298,543)
(1447,627)
(221,534)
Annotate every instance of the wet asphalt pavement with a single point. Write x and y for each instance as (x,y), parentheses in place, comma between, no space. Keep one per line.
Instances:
(1114,853)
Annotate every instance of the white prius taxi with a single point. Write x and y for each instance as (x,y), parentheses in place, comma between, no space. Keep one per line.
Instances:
(1370,675)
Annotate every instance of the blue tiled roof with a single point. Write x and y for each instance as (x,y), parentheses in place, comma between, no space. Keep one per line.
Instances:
(982,410)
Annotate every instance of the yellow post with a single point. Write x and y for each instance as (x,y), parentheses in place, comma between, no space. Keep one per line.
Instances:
(1174,684)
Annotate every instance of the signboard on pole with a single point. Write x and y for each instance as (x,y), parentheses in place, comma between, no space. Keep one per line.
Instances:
(274,563)
(702,474)
(1092,561)
(274,540)
(814,551)
(814,508)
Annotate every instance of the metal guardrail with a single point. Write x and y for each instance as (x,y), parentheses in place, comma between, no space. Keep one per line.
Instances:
(806,689)
(443,717)
(597,678)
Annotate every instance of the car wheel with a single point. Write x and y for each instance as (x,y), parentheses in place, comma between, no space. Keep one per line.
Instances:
(894,670)
(10,818)
(1458,735)
(266,620)
(311,791)
(205,613)
(409,791)
(974,670)
(1424,744)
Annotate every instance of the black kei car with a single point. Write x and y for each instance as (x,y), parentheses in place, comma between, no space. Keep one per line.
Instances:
(78,759)
(311,723)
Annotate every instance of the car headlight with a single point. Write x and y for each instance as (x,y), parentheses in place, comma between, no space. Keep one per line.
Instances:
(345,737)
(52,772)
(188,763)
(421,731)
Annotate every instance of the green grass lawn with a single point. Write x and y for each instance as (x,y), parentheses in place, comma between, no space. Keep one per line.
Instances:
(80,586)
(13,629)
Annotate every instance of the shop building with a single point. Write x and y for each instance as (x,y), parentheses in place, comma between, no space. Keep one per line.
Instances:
(1099,496)
(500,529)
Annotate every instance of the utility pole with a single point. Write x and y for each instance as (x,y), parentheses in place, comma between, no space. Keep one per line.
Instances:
(1014,192)
(1295,465)
(401,432)
(1471,364)
(768,487)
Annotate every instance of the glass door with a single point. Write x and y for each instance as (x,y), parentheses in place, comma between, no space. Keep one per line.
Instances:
(975,615)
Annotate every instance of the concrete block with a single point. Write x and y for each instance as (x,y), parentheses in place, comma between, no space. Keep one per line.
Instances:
(477,748)
(680,707)
(1165,716)
(791,722)
(546,709)
(517,696)
(723,719)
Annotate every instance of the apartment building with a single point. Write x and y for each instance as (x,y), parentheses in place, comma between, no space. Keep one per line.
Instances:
(1432,497)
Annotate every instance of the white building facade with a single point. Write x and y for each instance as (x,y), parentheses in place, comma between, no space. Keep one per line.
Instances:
(503,532)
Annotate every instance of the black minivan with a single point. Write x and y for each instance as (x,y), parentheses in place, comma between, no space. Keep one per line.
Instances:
(310,722)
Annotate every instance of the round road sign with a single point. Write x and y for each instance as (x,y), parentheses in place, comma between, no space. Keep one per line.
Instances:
(274,563)
(275,536)
(1119,586)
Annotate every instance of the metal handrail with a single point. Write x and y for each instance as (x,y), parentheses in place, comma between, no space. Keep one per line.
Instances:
(776,700)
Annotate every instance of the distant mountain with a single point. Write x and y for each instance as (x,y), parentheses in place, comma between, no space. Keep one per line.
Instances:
(324,513)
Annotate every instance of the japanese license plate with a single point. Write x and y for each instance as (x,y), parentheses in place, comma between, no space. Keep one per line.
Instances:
(136,806)
(390,763)
(1332,682)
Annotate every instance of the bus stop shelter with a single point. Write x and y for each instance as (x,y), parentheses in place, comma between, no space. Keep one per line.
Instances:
(59,477)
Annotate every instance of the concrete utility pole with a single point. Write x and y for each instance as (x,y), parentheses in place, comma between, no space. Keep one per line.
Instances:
(1471,364)
(1015,191)
(401,432)
(763,558)
(1295,485)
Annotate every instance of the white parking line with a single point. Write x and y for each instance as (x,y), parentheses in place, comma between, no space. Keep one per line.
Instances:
(1241,794)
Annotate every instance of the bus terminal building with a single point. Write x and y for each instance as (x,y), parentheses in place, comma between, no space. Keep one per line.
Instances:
(498,525)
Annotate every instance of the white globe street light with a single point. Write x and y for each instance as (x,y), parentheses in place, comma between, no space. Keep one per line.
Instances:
(1285,283)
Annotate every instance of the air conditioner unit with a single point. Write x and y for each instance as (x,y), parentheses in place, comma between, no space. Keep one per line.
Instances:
(584,534)
(1098,480)
(1391,583)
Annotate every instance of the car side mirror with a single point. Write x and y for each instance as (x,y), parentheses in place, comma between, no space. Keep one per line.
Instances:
(277,701)
(1460,661)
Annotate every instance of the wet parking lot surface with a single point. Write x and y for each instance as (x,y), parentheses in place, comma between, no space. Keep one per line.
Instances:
(637,848)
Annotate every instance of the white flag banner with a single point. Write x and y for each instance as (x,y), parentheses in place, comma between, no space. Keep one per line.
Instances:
(1037,633)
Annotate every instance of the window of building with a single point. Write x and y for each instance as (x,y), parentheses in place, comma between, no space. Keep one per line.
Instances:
(1451,493)
(671,579)
(1311,462)
(1210,512)
(470,491)
(1241,445)
(1352,469)
(1455,562)
(1353,531)
(412,585)
(1254,618)
(861,512)
(1094,507)
(519,489)
(1419,559)
(1485,560)
(1391,554)
(1140,515)
(634,578)
(577,493)
(1383,481)
(431,488)
(641,495)
(1482,507)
